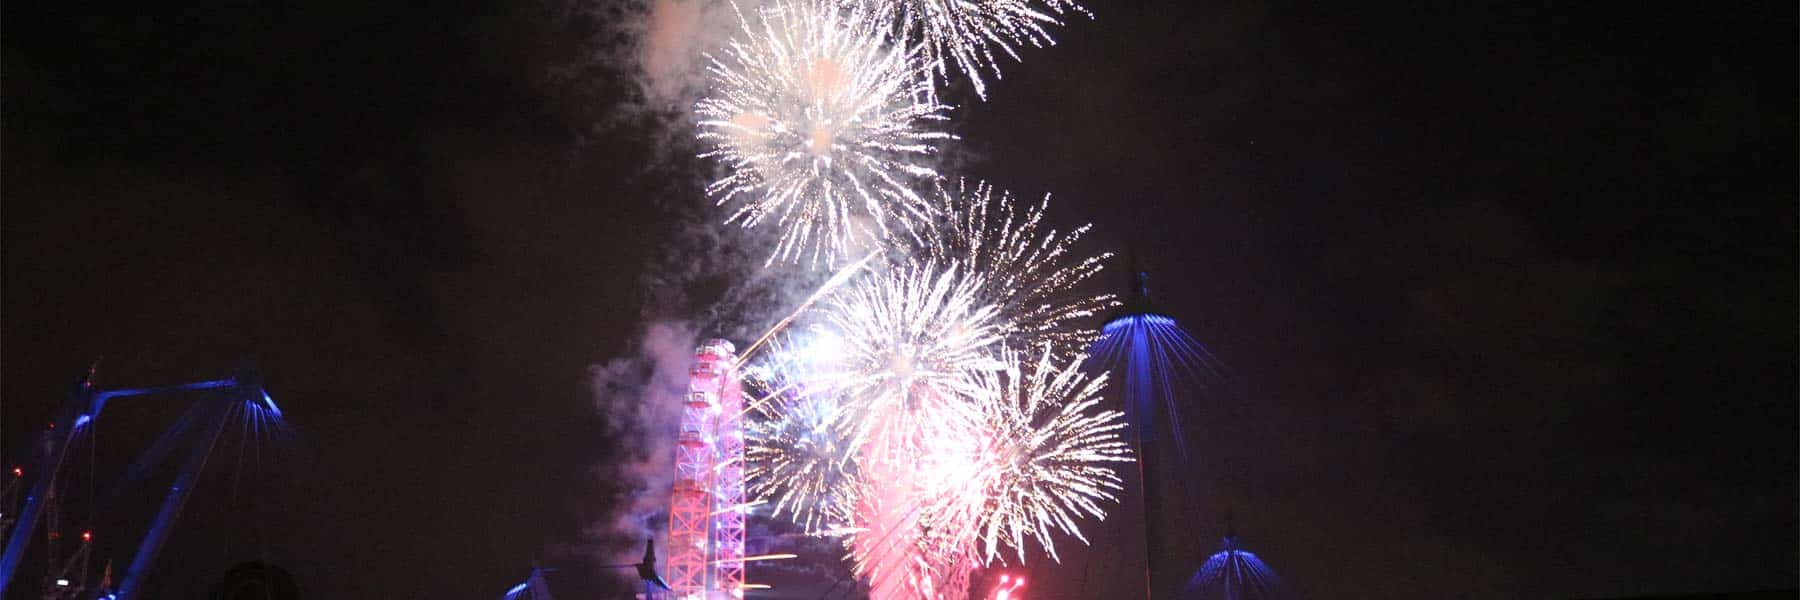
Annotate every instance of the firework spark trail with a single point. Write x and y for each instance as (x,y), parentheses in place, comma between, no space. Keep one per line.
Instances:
(907,552)
(796,451)
(1026,276)
(888,554)
(970,35)
(1028,272)
(926,554)
(836,280)
(825,120)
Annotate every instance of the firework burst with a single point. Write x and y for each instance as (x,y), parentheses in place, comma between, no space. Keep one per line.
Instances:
(1029,273)
(971,35)
(825,121)
(899,352)
(914,339)
(1053,456)
(1036,458)
(900,418)
(796,451)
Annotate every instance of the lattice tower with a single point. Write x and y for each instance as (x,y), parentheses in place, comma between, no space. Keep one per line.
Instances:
(706,513)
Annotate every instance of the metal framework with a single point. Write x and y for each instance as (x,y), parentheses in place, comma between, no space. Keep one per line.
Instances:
(85,404)
(534,588)
(728,519)
(706,512)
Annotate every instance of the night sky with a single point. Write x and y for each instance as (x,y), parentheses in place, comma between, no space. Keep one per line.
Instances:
(1506,291)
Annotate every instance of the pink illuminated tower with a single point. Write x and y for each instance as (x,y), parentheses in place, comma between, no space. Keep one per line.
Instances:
(706,508)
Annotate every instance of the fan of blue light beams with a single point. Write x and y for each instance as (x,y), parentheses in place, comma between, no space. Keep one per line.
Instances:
(1156,358)
(1233,573)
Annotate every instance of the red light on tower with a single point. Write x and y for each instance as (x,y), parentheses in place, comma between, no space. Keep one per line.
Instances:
(87,536)
(18,472)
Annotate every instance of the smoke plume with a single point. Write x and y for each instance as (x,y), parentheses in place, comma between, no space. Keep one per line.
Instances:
(639,395)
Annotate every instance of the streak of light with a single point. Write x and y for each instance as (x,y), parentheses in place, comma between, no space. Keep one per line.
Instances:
(743,506)
(759,557)
(837,279)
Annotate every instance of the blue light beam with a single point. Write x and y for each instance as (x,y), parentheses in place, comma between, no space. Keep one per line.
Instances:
(1234,574)
(1158,358)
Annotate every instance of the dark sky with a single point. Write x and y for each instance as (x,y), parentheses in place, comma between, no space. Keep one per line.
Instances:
(1507,290)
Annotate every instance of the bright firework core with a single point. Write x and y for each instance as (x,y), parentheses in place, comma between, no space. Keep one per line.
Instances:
(901,365)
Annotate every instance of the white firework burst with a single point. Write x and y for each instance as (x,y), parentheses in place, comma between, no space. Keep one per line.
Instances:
(914,342)
(798,456)
(825,121)
(971,35)
(1029,273)
(1043,459)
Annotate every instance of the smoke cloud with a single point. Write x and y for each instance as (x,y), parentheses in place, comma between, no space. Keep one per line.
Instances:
(669,54)
(666,43)
(640,397)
